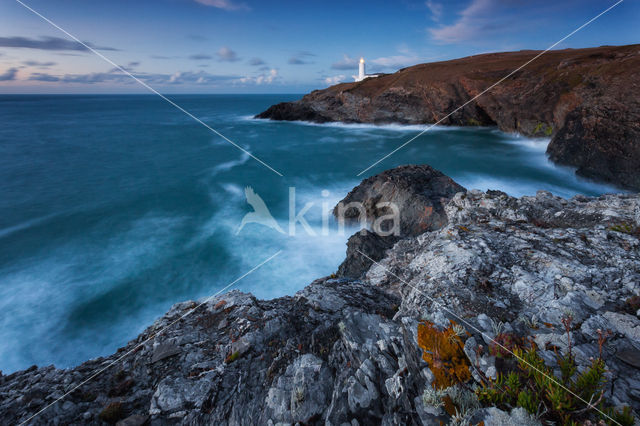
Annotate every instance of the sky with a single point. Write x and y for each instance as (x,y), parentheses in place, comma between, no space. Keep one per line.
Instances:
(245,46)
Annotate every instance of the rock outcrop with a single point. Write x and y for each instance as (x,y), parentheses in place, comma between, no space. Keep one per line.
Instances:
(345,351)
(417,193)
(586,100)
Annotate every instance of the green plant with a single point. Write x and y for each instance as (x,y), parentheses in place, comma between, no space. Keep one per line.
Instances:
(534,387)
(625,228)
(232,357)
(623,417)
(545,128)
(528,400)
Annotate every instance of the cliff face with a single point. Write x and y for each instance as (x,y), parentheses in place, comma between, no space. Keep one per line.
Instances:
(586,100)
(347,350)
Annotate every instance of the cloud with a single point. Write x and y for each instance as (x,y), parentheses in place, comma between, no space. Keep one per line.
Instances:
(224,4)
(334,80)
(265,78)
(300,58)
(395,62)
(129,67)
(256,61)
(347,63)
(435,9)
(479,17)
(200,57)
(9,75)
(48,43)
(39,64)
(114,76)
(200,77)
(38,76)
(227,55)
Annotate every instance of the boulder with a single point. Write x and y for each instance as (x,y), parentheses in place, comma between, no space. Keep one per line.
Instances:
(417,194)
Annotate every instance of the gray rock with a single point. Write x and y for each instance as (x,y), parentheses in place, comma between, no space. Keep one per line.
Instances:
(344,350)
(163,351)
(625,324)
(133,420)
(418,192)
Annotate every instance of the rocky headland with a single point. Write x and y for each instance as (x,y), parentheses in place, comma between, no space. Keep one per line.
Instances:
(587,101)
(418,328)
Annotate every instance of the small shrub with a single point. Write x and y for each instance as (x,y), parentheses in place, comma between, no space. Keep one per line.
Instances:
(503,345)
(443,351)
(624,417)
(625,228)
(232,357)
(534,387)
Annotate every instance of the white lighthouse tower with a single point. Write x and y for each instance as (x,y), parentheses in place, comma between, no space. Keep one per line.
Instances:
(361,72)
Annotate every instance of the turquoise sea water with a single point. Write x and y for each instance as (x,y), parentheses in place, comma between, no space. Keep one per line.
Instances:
(113,208)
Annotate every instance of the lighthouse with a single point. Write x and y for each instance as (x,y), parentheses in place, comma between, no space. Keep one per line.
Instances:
(361,72)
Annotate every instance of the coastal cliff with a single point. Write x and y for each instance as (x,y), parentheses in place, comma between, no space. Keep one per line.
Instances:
(586,100)
(403,337)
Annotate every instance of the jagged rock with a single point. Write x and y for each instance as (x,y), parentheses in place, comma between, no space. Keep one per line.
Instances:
(625,324)
(369,243)
(586,100)
(164,351)
(133,420)
(631,357)
(344,351)
(419,194)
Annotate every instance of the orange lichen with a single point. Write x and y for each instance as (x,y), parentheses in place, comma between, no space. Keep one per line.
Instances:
(443,351)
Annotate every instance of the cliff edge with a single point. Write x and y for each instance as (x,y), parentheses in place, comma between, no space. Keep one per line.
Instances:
(586,100)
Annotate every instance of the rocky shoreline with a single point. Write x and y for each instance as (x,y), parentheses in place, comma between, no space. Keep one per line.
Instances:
(351,348)
(587,101)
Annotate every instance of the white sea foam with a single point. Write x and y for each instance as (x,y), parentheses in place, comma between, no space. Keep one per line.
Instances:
(228,165)
(233,189)
(38,295)
(532,144)
(5,232)
(392,127)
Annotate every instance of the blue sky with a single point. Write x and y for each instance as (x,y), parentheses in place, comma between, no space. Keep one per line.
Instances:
(236,46)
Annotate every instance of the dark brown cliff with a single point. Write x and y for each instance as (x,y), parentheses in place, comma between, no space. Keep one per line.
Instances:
(586,100)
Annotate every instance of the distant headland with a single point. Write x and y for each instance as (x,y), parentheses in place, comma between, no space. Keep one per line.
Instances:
(586,100)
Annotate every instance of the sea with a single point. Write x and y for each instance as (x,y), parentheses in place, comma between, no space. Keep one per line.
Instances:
(115,207)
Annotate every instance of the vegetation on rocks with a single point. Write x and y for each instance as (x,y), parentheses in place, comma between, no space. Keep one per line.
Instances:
(444,352)
(574,397)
